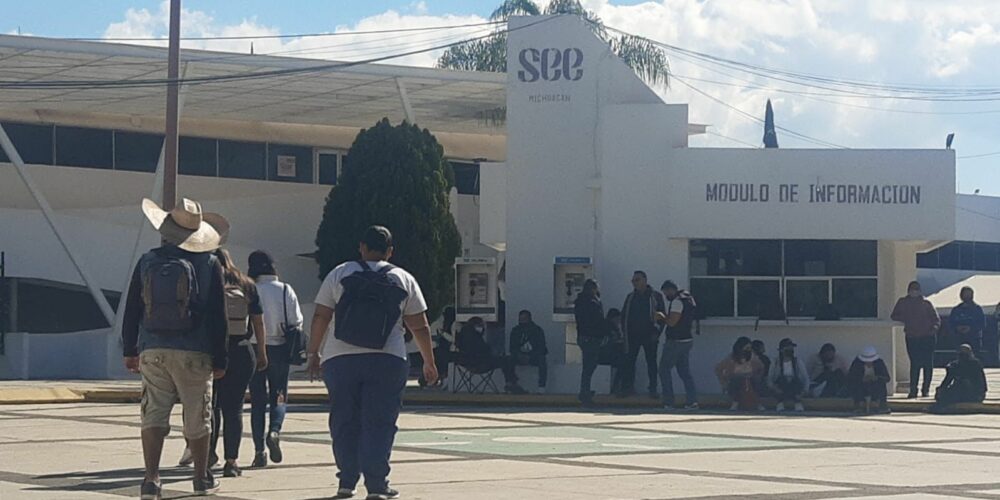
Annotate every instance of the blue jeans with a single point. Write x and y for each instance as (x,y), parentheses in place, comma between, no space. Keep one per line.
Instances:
(677,355)
(366,394)
(269,392)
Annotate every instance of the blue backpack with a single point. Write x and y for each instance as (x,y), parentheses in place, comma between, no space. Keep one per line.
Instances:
(369,307)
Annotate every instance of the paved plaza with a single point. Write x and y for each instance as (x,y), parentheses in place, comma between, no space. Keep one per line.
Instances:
(90,451)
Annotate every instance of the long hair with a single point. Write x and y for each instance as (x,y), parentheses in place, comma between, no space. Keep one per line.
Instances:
(232,274)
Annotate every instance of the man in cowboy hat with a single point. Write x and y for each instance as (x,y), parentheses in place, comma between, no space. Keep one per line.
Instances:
(174,333)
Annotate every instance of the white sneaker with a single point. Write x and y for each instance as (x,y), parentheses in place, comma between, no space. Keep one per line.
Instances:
(760,408)
(344,493)
(799,407)
(734,407)
(541,390)
(780,408)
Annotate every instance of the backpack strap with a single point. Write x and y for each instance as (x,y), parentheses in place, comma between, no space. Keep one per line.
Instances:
(284,302)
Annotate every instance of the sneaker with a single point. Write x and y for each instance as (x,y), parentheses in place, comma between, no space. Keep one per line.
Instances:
(259,460)
(760,408)
(515,389)
(780,408)
(150,491)
(231,470)
(692,406)
(206,485)
(541,390)
(912,395)
(925,394)
(799,407)
(387,494)
(274,446)
(186,458)
(884,410)
(343,493)
(734,407)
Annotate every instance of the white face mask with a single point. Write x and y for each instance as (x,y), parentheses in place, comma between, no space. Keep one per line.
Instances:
(480,329)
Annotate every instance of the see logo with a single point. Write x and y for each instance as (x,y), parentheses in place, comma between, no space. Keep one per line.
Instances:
(550,65)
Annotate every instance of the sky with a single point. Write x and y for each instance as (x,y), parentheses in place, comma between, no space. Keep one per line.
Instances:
(911,42)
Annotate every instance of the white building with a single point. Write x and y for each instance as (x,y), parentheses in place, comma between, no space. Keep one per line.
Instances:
(592,166)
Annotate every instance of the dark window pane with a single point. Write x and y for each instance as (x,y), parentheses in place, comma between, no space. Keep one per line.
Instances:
(196,156)
(735,258)
(466,177)
(714,296)
(757,298)
(290,163)
(83,147)
(33,142)
(137,152)
(241,160)
(856,298)
(986,256)
(77,309)
(806,297)
(928,260)
(831,258)
(966,256)
(328,169)
(948,256)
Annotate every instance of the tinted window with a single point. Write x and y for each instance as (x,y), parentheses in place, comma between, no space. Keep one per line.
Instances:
(948,256)
(856,298)
(831,258)
(137,152)
(196,156)
(466,177)
(241,160)
(735,257)
(756,297)
(986,256)
(328,169)
(77,309)
(715,296)
(33,142)
(806,297)
(289,163)
(967,256)
(83,147)
(928,260)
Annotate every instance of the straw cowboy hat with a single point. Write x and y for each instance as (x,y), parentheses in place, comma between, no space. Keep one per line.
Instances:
(187,226)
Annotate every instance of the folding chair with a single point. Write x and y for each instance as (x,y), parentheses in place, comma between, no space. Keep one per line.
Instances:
(474,380)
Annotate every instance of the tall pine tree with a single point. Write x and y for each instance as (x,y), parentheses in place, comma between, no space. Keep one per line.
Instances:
(396,177)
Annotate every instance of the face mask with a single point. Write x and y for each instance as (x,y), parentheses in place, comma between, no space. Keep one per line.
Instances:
(480,329)
(964,356)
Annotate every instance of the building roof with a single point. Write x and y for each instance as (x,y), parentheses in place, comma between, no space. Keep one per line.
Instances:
(354,95)
(986,286)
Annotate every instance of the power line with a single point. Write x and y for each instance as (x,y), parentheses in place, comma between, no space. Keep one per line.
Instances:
(984,155)
(757,146)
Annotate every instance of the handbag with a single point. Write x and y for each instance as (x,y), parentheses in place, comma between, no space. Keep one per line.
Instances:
(295,339)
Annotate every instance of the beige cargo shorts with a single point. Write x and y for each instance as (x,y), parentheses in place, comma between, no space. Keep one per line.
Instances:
(169,375)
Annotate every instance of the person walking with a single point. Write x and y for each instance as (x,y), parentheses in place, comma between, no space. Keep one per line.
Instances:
(677,321)
(527,347)
(920,324)
(269,387)
(357,346)
(245,319)
(968,321)
(639,324)
(174,335)
(591,329)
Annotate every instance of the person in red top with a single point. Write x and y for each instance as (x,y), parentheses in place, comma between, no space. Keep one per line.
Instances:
(921,324)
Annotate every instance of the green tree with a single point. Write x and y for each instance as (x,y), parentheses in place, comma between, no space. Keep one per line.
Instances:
(490,54)
(397,177)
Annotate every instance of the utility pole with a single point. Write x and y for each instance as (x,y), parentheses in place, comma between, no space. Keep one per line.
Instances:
(170,139)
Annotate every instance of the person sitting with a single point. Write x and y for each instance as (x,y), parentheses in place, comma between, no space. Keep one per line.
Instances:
(828,372)
(527,347)
(475,354)
(739,374)
(867,380)
(788,378)
(760,350)
(442,340)
(965,381)
(614,352)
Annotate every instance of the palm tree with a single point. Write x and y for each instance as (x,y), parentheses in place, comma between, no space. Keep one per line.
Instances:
(490,54)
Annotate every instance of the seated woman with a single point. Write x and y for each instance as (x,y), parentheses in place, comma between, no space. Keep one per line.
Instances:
(867,380)
(739,375)
(965,381)
(474,353)
(788,379)
(828,372)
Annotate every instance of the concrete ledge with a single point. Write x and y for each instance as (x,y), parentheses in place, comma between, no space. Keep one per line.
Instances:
(16,396)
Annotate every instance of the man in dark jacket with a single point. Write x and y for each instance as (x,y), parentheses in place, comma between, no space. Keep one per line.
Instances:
(591,329)
(642,331)
(867,381)
(920,324)
(968,321)
(475,354)
(527,347)
(965,381)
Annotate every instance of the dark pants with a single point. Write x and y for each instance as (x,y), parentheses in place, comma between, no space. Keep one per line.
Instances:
(961,391)
(366,393)
(921,353)
(789,389)
(591,349)
(268,394)
(649,346)
(228,394)
(677,355)
(835,383)
(874,390)
(539,361)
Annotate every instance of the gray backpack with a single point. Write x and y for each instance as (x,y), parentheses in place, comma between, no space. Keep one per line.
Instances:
(169,287)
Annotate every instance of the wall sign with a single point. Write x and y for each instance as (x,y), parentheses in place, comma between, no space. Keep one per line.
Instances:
(843,194)
(550,65)
(286,166)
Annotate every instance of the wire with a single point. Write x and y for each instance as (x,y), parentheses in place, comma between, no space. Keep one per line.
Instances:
(984,155)
(756,146)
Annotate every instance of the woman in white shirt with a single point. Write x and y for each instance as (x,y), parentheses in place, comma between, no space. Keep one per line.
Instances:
(269,388)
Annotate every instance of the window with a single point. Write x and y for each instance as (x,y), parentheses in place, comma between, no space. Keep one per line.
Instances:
(137,152)
(289,163)
(197,156)
(986,256)
(77,310)
(327,168)
(466,177)
(966,256)
(84,147)
(963,255)
(242,160)
(33,142)
(759,278)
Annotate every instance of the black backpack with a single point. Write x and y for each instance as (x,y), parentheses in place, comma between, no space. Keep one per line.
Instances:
(368,309)
(169,290)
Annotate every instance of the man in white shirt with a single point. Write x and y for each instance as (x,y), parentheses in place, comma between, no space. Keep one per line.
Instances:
(366,384)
